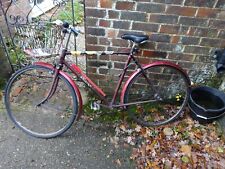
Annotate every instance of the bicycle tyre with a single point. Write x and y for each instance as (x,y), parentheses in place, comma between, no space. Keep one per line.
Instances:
(168,90)
(27,88)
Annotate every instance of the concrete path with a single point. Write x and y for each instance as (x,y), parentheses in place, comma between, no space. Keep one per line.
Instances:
(82,147)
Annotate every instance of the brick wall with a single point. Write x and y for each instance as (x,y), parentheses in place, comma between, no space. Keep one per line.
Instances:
(183,31)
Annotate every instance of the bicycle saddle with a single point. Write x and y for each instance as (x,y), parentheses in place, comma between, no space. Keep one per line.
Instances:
(135,37)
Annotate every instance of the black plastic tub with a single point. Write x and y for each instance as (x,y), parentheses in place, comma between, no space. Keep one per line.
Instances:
(206,104)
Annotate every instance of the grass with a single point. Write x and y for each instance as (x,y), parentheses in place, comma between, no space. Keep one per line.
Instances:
(66,13)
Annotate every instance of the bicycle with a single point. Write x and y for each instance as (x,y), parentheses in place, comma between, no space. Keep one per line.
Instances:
(44,101)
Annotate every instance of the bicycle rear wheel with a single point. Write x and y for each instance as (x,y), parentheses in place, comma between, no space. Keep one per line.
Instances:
(160,100)
(27,88)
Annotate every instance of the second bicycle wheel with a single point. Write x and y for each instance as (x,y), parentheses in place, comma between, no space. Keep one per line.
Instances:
(27,88)
(160,99)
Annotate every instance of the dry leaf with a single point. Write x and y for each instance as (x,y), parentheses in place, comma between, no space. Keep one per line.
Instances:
(168,131)
(118,162)
(186,149)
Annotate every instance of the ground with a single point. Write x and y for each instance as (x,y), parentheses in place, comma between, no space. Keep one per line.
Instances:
(84,146)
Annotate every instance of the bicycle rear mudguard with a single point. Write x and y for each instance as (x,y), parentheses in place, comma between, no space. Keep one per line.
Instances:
(147,66)
(68,77)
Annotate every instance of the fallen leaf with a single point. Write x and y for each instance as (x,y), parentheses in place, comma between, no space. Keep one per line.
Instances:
(122,127)
(118,162)
(186,149)
(168,131)
(220,150)
(137,128)
(185,159)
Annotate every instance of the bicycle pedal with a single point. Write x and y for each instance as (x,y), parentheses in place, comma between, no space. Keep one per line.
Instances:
(95,106)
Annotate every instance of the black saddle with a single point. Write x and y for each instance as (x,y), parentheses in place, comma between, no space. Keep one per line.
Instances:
(135,38)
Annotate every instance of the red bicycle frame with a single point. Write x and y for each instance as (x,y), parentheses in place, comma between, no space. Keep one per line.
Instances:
(83,77)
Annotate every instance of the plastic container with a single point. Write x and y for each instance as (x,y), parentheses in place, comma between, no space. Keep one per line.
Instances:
(206,104)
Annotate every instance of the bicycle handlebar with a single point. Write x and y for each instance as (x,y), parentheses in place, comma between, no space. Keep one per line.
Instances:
(66,27)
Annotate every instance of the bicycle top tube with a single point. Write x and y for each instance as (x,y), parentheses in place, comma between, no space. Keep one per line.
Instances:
(77,53)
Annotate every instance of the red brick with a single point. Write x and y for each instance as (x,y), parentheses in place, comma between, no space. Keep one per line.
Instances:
(185,65)
(113,14)
(104,23)
(95,13)
(92,3)
(218,24)
(121,24)
(210,42)
(91,21)
(188,40)
(142,26)
(200,58)
(112,33)
(149,53)
(136,16)
(202,32)
(94,48)
(121,58)
(207,13)
(184,11)
(170,29)
(222,45)
(119,42)
(189,21)
(91,40)
(106,3)
(184,30)
(200,3)
(169,47)
(175,39)
(96,31)
(143,60)
(104,41)
(151,7)
(149,46)
(159,38)
(180,56)
(158,18)
(197,50)
(91,69)
(103,71)
(123,5)
(168,1)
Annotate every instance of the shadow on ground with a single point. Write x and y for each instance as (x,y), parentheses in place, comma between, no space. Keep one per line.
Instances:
(82,147)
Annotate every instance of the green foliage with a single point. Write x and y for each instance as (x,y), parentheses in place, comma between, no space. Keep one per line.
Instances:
(66,14)
(16,54)
(214,81)
(104,114)
(2,83)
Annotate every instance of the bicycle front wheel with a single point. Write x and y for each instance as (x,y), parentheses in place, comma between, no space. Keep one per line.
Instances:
(27,88)
(161,98)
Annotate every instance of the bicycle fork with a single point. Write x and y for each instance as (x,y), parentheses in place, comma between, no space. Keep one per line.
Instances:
(52,88)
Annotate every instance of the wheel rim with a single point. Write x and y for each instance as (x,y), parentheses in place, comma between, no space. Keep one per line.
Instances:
(26,91)
(170,94)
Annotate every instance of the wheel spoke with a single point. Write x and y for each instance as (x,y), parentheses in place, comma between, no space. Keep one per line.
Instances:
(24,93)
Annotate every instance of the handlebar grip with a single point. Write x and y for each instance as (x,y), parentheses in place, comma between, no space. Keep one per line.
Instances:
(66,25)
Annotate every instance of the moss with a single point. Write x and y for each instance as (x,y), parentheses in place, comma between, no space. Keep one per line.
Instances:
(2,83)
(215,81)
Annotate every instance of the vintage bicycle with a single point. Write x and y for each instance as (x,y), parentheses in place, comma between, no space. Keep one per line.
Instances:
(43,100)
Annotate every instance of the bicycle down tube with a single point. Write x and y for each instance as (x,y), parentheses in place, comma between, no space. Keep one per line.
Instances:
(79,73)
